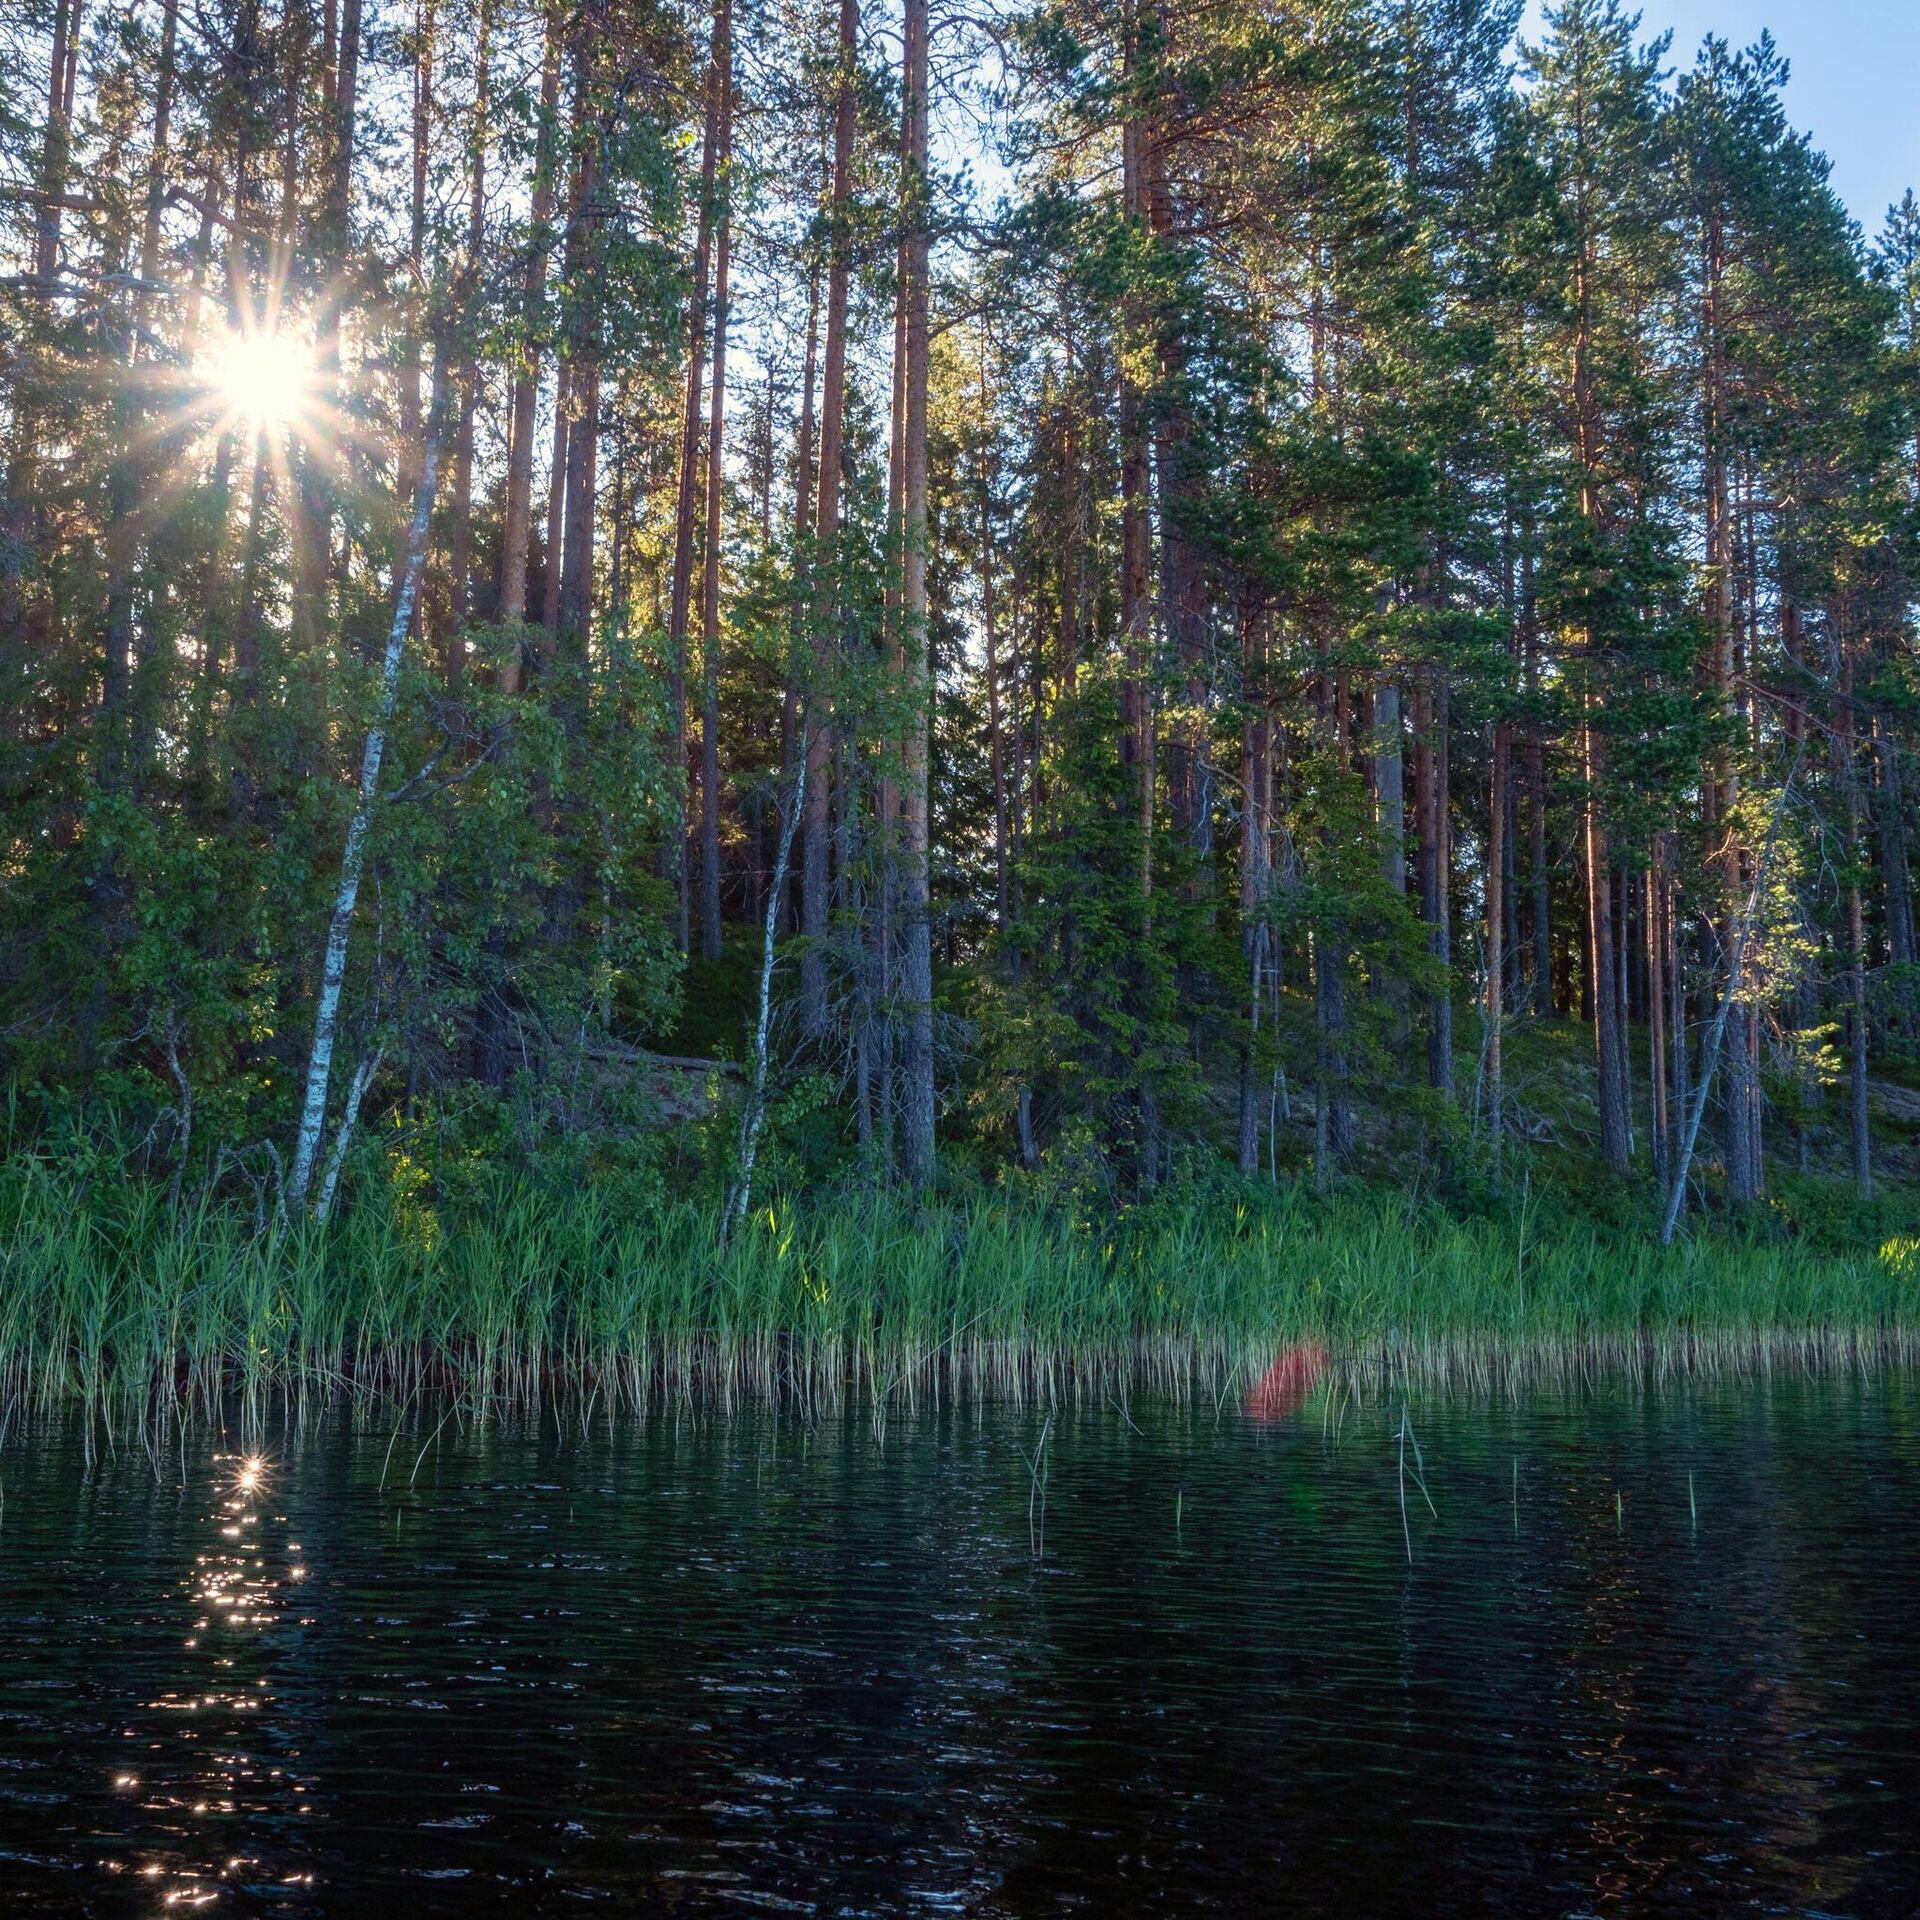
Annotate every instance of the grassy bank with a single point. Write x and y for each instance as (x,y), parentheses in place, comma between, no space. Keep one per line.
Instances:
(109,1295)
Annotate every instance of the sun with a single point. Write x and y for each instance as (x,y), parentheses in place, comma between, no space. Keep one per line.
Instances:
(260,375)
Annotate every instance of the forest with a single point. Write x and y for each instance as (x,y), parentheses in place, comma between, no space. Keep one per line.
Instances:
(1088,605)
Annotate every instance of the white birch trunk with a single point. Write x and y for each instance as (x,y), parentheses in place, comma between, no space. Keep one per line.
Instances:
(343,1133)
(1710,1059)
(756,1106)
(353,857)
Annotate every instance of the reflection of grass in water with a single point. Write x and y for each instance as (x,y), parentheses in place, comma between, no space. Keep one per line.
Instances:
(107,1293)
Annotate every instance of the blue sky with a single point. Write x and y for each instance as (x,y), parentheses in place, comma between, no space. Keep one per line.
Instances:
(1853,87)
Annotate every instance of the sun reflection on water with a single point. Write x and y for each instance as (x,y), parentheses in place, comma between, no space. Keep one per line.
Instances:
(212,1798)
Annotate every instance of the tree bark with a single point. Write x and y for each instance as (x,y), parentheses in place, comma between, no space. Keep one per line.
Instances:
(996,747)
(574,623)
(319,459)
(56,147)
(409,377)
(460,533)
(556,503)
(687,497)
(517,507)
(710,931)
(793,701)
(825,599)
(1389,785)
(1432,817)
(1136,695)
(1256,846)
(1496,943)
(1658,905)
(1600,961)
(916,955)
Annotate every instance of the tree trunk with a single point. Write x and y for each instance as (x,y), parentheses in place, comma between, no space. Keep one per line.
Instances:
(131,731)
(1136,696)
(1496,942)
(1623,1016)
(1659,903)
(574,613)
(826,607)
(1333,1119)
(1389,785)
(1846,754)
(1742,1145)
(916,959)
(754,1107)
(1710,1048)
(1895,869)
(556,503)
(1600,968)
(687,497)
(1432,817)
(1183,598)
(460,534)
(319,460)
(1256,845)
(1857,1045)
(996,748)
(56,147)
(793,702)
(517,507)
(710,931)
(407,472)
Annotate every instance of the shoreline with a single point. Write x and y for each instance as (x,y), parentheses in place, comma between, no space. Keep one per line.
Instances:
(778,1372)
(526,1296)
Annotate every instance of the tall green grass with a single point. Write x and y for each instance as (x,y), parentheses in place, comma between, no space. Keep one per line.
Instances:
(107,1294)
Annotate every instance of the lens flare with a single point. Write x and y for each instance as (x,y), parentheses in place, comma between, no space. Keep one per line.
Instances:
(260,375)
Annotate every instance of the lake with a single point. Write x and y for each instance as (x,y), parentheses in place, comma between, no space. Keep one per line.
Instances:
(1652,1650)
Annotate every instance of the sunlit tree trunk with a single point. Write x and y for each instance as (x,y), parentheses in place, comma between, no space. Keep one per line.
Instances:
(517,507)
(460,533)
(320,457)
(63,68)
(408,380)
(1741,1117)
(132,513)
(793,700)
(826,599)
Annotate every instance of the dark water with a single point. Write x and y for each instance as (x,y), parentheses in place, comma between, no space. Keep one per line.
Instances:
(700,1666)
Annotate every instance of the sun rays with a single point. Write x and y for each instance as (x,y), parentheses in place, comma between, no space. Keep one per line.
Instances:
(262,379)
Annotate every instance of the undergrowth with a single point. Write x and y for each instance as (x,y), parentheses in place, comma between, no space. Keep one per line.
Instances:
(109,1293)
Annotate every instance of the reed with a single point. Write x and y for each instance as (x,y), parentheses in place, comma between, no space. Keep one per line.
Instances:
(109,1295)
